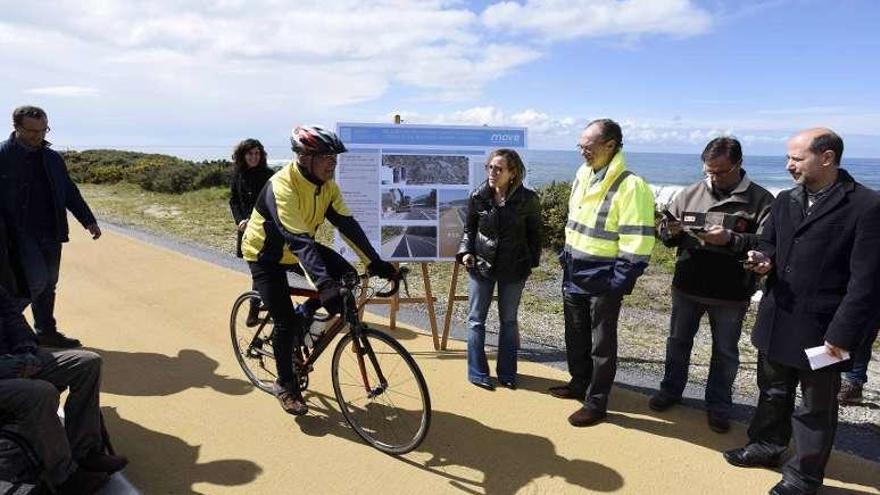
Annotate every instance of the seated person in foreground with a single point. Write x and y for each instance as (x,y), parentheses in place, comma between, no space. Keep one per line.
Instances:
(31,381)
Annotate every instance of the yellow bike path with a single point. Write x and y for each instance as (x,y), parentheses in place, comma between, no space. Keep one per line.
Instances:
(178,405)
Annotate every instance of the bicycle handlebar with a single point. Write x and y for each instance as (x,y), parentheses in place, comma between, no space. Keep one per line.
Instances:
(350,284)
(395,283)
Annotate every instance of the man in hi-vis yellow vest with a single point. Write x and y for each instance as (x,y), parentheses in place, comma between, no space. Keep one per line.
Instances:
(608,241)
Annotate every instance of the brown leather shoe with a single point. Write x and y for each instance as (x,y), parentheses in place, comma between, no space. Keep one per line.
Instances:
(850,393)
(586,417)
(98,462)
(566,392)
(661,402)
(717,422)
(292,402)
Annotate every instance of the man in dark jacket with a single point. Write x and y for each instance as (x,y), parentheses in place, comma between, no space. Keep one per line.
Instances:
(709,277)
(820,248)
(36,192)
(31,381)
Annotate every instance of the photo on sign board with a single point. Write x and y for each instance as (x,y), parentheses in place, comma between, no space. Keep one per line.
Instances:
(409,203)
(400,241)
(453,214)
(424,169)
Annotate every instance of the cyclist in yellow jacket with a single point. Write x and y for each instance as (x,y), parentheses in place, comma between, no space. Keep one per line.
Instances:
(608,241)
(281,234)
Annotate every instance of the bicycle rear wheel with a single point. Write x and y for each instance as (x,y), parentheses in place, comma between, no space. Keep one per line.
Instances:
(381,391)
(253,344)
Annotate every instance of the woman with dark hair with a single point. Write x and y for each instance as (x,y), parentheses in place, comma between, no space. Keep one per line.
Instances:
(501,245)
(250,174)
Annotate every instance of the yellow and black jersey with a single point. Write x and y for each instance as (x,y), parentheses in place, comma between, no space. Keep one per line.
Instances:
(287,214)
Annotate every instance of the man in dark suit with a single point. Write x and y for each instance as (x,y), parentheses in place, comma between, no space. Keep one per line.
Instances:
(819,249)
(36,192)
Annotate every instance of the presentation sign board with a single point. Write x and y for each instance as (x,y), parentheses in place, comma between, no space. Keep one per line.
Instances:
(408,185)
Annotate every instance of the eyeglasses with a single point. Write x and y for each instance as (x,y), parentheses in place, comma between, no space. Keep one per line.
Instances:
(44,130)
(496,169)
(583,147)
(709,173)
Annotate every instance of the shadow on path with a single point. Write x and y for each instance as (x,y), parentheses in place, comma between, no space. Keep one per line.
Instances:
(153,374)
(167,464)
(506,461)
(678,423)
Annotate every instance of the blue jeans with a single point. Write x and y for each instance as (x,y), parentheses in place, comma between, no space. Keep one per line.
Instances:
(726,324)
(861,356)
(480,291)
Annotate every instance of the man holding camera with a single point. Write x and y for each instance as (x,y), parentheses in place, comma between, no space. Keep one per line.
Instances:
(713,223)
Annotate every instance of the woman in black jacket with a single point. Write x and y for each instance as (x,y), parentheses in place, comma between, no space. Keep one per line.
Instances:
(250,174)
(501,245)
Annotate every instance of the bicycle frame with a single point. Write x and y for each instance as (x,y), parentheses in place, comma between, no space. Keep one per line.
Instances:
(351,319)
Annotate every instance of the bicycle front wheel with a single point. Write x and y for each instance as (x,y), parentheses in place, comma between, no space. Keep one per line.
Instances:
(381,391)
(252,340)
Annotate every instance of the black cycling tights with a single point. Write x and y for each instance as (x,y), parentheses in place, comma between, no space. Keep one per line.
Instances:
(270,280)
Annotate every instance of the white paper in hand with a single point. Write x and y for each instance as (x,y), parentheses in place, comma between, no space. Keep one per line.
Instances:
(819,358)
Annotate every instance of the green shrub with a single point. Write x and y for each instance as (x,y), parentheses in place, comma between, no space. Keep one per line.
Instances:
(554,213)
(153,172)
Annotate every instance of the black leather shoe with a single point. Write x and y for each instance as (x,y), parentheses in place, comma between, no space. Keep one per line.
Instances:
(484,384)
(82,482)
(98,462)
(717,422)
(57,339)
(508,384)
(788,488)
(586,417)
(566,392)
(253,316)
(661,402)
(752,455)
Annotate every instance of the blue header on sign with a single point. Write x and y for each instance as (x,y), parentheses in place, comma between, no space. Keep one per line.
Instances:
(489,137)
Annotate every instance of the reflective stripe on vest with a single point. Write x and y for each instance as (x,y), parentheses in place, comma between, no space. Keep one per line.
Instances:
(599,231)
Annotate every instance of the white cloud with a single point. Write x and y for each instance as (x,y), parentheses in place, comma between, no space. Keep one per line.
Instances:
(553,20)
(336,53)
(562,132)
(63,91)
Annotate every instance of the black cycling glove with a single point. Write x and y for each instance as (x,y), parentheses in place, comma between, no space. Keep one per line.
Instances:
(331,299)
(382,269)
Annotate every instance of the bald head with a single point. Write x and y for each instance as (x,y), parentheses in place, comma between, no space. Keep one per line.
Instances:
(813,157)
(822,141)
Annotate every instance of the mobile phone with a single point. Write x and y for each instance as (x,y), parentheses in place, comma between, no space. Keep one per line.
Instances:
(669,216)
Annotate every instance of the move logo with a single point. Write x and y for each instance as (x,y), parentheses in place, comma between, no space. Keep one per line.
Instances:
(505,138)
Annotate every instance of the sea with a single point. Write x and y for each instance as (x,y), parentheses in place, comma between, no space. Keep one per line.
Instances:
(666,172)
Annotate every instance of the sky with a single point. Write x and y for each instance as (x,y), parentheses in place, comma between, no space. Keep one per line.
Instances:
(675,73)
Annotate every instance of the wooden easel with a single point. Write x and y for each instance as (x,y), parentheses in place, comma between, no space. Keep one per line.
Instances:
(450,303)
(395,301)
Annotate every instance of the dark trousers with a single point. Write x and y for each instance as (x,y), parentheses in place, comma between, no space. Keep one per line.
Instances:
(41,261)
(813,424)
(270,280)
(725,321)
(591,345)
(31,408)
